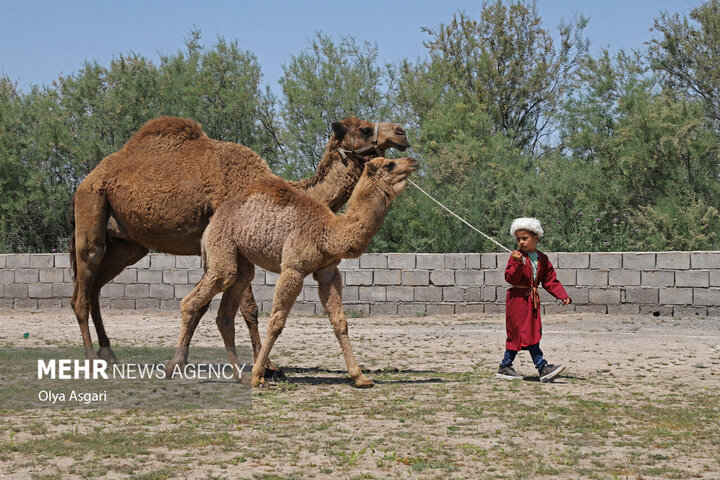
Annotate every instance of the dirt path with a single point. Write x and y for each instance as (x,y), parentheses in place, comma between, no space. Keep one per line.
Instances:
(639,400)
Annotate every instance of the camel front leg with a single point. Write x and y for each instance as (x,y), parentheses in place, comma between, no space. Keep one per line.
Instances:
(249,310)
(330,293)
(287,289)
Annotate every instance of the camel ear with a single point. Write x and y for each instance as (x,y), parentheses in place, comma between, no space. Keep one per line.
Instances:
(371,168)
(339,130)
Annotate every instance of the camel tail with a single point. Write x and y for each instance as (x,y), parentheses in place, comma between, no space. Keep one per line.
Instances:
(203,251)
(71,248)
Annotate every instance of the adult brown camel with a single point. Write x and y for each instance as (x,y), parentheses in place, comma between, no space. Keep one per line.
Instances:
(280,229)
(160,190)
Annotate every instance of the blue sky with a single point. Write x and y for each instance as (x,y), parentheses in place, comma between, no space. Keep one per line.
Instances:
(41,40)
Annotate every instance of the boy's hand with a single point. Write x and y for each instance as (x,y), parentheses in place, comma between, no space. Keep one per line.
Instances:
(567,301)
(516,255)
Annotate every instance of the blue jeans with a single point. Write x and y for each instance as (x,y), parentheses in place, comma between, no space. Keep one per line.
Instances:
(535,353)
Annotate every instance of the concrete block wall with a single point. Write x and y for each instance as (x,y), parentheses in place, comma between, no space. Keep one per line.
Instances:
(658,283)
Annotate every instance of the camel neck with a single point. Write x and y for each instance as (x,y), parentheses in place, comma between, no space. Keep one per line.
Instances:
(333,181)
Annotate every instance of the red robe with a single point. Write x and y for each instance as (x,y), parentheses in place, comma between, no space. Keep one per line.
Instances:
(522,320)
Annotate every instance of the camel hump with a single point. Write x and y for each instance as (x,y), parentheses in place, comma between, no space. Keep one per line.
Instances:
(179,128)
(278,190)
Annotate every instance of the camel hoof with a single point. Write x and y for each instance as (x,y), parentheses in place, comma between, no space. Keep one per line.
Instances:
(106,353)
(258,382)
(363,382)
(90,354)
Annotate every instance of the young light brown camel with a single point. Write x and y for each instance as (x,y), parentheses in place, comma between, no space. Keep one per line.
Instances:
(282,230)
(160,190)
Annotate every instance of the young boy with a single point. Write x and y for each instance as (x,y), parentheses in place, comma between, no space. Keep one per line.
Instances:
(526,269)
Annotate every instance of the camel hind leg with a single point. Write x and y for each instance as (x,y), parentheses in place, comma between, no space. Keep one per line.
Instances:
(118,255)
(87,251)
(220,274)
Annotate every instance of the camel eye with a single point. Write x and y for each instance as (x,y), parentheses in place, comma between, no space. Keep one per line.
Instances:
(390,166)
(366,131)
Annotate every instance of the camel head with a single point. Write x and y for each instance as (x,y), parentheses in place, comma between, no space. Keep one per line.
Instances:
(363,140)
(389,174)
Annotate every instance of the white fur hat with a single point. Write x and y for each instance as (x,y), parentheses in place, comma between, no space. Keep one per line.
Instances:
(530,224)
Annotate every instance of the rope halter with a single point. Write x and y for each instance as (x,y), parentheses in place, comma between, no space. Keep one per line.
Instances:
(374,144)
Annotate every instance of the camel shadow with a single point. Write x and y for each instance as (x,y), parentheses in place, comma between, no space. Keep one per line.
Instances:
(303,376)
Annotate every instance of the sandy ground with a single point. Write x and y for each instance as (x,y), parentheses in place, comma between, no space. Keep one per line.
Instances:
(633,357)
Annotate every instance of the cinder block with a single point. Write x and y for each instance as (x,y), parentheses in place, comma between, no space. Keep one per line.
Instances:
(373,294)
(26,275)
(25,304)
(552,258)
(113,290)
(442,277)
(428,294)
(596,278)
(676,296)
(3,256)
(469,277)
(606,260)
(474,294)
(488,294)
(147,304)
(181,291)
(137,290)
(129,275)
(42,260)
(453,294)
(386,277)
(440,309)
(495,277)
(40,290)
(714,312)
(349,263)
(271,278)
(673,260)
(357,277)
(658,279)
(258,279)
(429,261)
(415,277)
(304,308)
(263,292)
(579,295)
(656,310)
(604,296)
(7,276)
(705,296)
(175,277)
(715,278)
(689,311)
(692,278)
(149,276)
(555,308)
(401,261)
(358,307)
(490,260)
(411,309)
(623,309)
(399,294)
(142,263)
(624,277)
(49,303)
(194,277)
(705,260)
(373,260)
(638,261)
(311,294)
(455,261)
(162,291)
(351,294)
(17,260)
(61,260)
(567,276)
(642,295)
(68,276)
(170,305)
(494,308)
(384,308)
(573,260)
(63,290)
(591,308)
(162,261)
(469,308)
(473,260)
(187,261)
(51,275)
(122,304)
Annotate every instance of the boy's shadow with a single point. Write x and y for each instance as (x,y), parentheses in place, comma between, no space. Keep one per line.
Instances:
(536,379)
